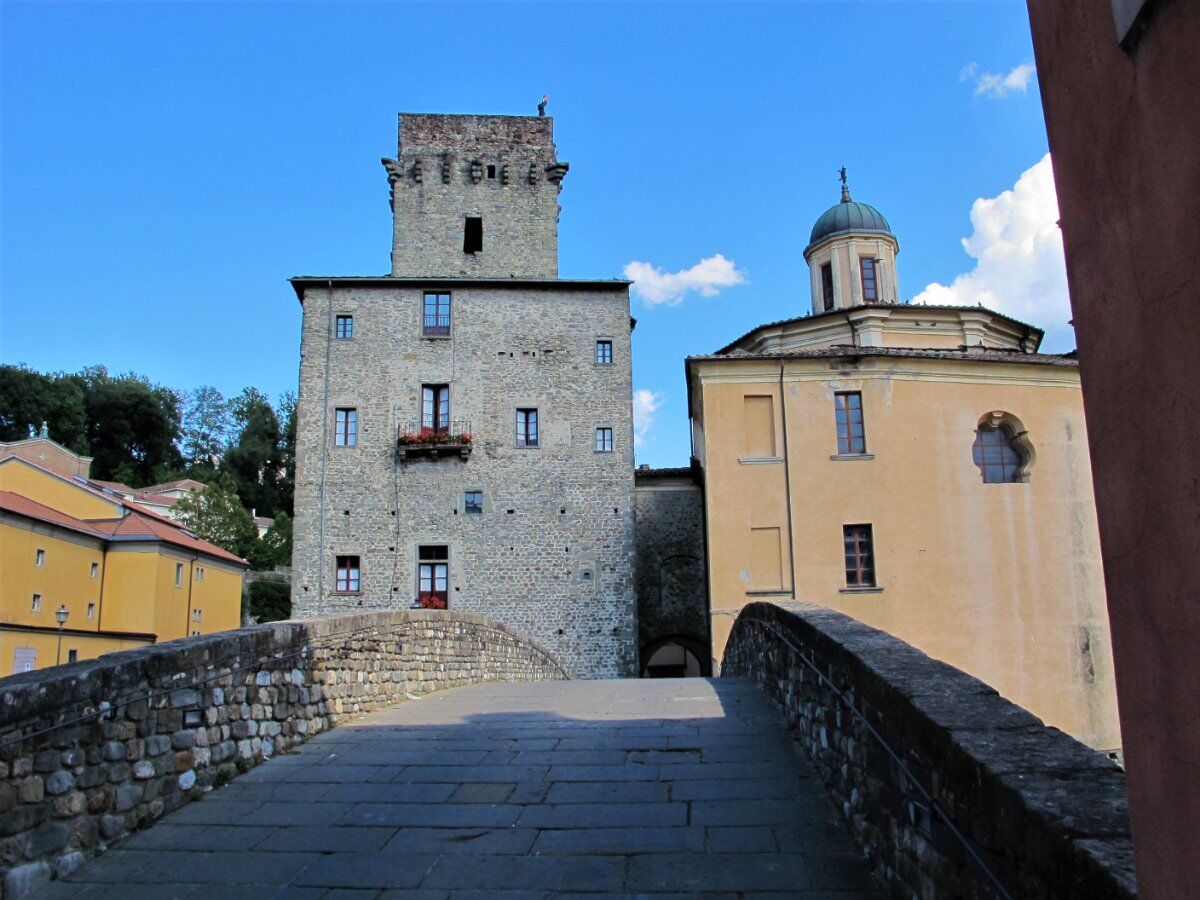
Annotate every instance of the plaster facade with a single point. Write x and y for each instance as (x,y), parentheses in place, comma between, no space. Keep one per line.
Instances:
(1123,121)
(550,552)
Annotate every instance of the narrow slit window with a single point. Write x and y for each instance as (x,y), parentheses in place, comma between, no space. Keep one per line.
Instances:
(178,575)
(850,430)
(827,285)
(604,440)
(473,235)
(95,569)
(36,605)
(345,327)
(39,558)
(860,556)
(870,286)
(435,408)
(527,428)
(91,611)
(604,355)
(436,322)
(348,575)
(491,171)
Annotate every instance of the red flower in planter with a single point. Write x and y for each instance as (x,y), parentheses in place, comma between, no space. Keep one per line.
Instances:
(431,600)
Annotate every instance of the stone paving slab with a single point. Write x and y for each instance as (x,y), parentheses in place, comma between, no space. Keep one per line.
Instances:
(548,791)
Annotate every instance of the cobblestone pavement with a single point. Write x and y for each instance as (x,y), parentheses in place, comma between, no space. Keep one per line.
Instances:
(671,788)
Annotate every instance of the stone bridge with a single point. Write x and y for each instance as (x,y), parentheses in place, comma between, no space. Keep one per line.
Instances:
(830,761)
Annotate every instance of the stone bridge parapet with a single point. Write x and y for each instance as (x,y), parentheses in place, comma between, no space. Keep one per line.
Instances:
(950,790)
(93,750)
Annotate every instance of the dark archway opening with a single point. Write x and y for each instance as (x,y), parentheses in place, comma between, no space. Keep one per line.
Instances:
(676,656)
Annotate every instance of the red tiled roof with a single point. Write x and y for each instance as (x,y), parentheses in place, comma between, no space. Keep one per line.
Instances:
(155,527)
(113,486)
(189,484)
(143,524)
(31,509)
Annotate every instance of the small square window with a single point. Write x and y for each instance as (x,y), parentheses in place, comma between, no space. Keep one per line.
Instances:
(345,427)
(604,440)
(39,558)
(72,656)
(36,605)
(197,615)
(473,503)
(91,611)
(178,575)
(95,569)
(348,575)
(527,428)
(345,327)
(604,356)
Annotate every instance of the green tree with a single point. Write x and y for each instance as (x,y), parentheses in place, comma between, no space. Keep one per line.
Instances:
(205,432)
(287,447)
(274,548)
(217,515)
(270,601)
(254,458)
(132,426)
(29,398)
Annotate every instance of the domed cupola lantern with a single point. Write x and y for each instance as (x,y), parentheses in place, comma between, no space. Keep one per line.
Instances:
(851,256)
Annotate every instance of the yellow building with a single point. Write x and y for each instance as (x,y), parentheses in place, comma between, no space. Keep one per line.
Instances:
(923,469)
(123,576)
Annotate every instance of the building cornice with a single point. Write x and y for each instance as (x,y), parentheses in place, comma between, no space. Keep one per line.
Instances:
(301,283)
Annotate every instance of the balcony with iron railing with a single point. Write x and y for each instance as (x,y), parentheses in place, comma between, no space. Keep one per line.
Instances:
(436,325)
(415,440)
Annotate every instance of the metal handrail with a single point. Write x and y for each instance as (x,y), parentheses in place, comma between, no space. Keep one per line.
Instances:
(895,757)
(452,429)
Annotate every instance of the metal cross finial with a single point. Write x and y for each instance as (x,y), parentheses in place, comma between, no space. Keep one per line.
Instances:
(845,187)
(842,175)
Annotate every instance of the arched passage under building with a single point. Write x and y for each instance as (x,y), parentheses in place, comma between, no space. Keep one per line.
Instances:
(675,656)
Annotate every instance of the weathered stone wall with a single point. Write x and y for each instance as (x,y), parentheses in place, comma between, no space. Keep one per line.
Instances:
(669,564)
(434,189)
(1046,814)
(93,750)
(552,552)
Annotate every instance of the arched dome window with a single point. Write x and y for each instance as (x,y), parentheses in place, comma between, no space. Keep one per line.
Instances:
(1002,450)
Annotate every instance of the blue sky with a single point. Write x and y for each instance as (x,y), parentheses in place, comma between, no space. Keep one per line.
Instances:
(167,166)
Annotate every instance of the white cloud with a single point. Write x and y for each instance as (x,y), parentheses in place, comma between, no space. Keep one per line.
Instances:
(1018,251)
(998,84)
(707,278)
(645,405)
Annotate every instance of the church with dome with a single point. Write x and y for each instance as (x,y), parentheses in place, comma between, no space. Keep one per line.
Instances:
(923,469)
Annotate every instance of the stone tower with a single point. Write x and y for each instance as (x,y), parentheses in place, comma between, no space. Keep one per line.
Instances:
(851,256)
(479,197)
(465,430)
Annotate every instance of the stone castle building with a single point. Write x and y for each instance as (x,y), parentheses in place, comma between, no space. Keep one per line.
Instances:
(465,432)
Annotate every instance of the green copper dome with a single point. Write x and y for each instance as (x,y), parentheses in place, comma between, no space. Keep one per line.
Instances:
(848,216)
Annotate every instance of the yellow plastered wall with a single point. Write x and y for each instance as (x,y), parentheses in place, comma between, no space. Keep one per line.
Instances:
(64,578)
(45,647)
(58,493)
(1001,580)
(217,596)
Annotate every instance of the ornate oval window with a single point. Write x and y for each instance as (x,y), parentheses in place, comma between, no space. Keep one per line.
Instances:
(1002,450)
